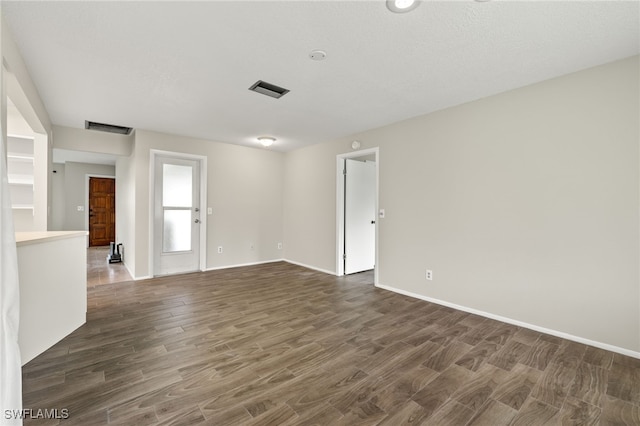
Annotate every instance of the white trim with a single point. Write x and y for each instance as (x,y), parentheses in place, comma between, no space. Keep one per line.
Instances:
(153,153)
(240,265)
(544,330)
(13,135)
(128,269)
(326,271)
(148,277)
(86,200)
(340,209)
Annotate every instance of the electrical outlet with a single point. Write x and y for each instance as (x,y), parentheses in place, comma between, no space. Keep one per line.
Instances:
(429,275)
(209,210)
(80,208)
(279,246)
(219,249)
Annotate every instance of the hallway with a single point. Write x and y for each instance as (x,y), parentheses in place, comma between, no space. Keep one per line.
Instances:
(100,271)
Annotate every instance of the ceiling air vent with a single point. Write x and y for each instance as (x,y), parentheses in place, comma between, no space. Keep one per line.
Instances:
(268,89)
(110,128)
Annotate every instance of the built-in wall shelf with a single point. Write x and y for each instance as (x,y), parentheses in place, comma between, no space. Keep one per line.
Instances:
(20,171)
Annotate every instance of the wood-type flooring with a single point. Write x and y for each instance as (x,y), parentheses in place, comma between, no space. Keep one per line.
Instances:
(278,344)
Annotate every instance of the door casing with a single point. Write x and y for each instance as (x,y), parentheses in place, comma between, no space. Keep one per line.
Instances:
(153,153)
(340,208)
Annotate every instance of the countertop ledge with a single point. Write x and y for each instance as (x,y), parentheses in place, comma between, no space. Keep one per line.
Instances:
(25,238)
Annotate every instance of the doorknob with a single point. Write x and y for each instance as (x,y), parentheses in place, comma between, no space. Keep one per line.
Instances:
(197,221)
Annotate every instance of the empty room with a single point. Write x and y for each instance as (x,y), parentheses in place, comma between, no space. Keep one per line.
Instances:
(320,212)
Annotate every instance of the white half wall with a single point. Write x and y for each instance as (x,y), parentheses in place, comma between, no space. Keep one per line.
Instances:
(525,204)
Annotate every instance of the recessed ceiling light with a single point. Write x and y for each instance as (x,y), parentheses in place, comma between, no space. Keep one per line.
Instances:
(402,6)
(318,55)
(266,140)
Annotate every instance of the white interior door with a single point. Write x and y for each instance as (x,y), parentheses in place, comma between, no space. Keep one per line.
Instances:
(176,216)
(359,216)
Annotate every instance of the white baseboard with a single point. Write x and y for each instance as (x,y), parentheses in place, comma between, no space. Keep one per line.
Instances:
(133,277)
(144,277)
(556,333)
(311,267)
(216,268)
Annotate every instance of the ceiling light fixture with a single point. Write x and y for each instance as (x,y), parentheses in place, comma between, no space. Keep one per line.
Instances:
(318,55)
(402,6)
(266,140)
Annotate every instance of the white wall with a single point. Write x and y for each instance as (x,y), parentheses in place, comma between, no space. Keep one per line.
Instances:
(125,209)
(58,195)
(20,87)
(525,205)
(92,141)
(24,95)
(244,189)
(76,192)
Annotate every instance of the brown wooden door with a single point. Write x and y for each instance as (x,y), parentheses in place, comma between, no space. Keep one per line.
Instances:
(102,211)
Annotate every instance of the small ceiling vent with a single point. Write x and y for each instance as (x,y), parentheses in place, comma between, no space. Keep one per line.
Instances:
(110,128)
(268,89)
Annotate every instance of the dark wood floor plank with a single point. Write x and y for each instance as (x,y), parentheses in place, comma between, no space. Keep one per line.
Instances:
(576,412)
(509,355)
(514,390)
(554,385)
(478,355)
(493,413)
(409,413)
(535,413)
(439,390)
(451,413)
(281,344)
(478,390)
(590,384)
(617,412)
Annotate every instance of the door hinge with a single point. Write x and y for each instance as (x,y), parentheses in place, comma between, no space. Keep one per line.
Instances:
(344,171)
(344,256)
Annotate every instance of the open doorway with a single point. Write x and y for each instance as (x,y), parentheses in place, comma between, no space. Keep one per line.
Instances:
(356,213)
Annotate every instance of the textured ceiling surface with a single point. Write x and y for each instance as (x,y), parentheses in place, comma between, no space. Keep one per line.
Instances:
(185,67)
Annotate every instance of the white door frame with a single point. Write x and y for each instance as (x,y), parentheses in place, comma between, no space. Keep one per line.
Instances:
(340,207)
(153,153)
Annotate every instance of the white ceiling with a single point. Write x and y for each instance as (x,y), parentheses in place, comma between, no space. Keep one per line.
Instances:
(185,67)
